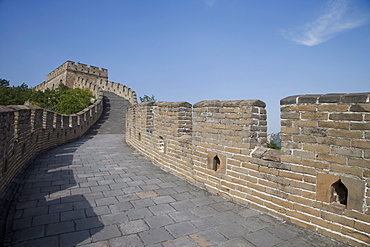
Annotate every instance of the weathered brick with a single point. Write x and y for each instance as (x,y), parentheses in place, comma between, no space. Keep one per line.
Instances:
(333,108)
(367,153)
(331,158)
(360,126)
(303,154)
(317,115)
(290,159)
(359,162)
(346,116)
(356,234)
(286,123)
(360,108)
(353,152)
(334,141)
(289,115)
(345,133)
(289,130)
(316,148)
(304,139)
(346,169)
(309,108)
(334,125)
(315,163)
(305,123)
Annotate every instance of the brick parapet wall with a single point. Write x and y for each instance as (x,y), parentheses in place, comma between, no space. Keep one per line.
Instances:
(326,139)
(325,144)
(27,130)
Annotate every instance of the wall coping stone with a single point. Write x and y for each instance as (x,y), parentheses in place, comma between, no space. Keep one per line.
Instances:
(327,98)
(173,104)
(229,103)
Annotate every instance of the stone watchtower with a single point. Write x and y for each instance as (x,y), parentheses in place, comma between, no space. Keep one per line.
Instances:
(70,73)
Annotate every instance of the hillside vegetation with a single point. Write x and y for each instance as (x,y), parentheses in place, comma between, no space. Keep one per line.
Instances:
(62,99)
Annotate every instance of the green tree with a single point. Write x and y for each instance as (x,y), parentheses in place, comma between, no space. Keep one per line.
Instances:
(147,98)
(4,82)
(273,145)
(62,99)
(73,101)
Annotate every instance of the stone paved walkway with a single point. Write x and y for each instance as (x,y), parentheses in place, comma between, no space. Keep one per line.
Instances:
(98,191)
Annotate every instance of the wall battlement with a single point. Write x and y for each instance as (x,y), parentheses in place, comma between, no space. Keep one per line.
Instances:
(79,67)
(320,179)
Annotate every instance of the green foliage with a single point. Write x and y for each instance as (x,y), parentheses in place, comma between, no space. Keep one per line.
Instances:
(73,101)
(13,95)
(273,145)
(147,98)
(4,82)
(62,99)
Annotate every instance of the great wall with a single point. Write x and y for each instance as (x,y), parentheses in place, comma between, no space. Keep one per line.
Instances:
(319,180)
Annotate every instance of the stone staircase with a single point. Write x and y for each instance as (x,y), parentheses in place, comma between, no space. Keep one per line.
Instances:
(113,118)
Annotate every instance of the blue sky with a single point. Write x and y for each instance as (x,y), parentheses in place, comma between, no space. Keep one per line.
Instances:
(193,50)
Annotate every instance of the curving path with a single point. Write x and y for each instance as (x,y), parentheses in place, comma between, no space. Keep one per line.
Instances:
(97,191)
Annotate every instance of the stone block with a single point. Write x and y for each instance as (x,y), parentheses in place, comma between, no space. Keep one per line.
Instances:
(333,108)
(345,133)
(334,125)
(346,116)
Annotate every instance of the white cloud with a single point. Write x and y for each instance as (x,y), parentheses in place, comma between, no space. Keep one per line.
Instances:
(210,3)
(336,17)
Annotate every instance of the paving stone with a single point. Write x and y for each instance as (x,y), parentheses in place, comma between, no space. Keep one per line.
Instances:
(58,228)
(163,199)
(45,219)
(237,242)
(116,218)
(72,215)
(182,215)
(21,223)
(253,223)
(106,201)
(208,238)
(205,223)
(140,213)
(154,236)
(231,231)
(181,229)
(107,232)
(134,226)
(74,238)
(29,233)
(161,209)
(88,223)
(180,242)
(158,221)
(143,203)
(263,238)
(126,241)
(60,207)
(47,241)
(203,211)
(29,212)
(185,204)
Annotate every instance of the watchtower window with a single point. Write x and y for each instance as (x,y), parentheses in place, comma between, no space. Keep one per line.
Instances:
(216,163)
(340,192)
